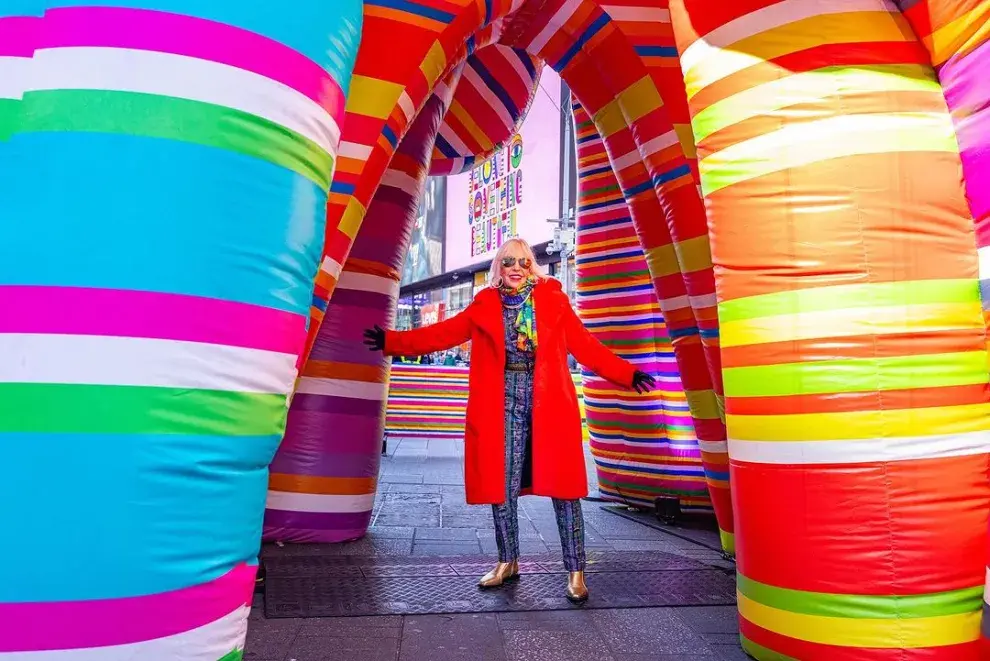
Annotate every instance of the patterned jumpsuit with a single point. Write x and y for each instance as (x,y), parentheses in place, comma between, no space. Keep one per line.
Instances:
(518,460)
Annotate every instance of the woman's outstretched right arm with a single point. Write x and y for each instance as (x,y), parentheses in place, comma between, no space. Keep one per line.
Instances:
(429,339)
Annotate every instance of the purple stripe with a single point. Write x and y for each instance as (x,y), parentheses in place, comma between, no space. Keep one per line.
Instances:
(316,521)
(345,299)
(338,405)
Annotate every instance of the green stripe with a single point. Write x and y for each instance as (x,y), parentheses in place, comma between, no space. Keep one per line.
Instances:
(644,273)
(10,110)
(235,655)
(937,604)
(89,409)
(762,653)
(845,80)
(857,375)
(171,118)
(884,294)
(602,189)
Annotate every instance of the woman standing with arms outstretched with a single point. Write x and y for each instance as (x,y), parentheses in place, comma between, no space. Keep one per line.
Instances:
(523,431)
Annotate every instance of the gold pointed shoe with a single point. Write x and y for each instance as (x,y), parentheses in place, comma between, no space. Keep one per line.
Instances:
(504,571)
(577,591)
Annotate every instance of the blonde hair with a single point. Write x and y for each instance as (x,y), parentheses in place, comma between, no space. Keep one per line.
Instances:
(495,278)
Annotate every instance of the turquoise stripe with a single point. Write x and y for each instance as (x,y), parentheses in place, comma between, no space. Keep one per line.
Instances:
(127,514)
(119,212)
(311,27)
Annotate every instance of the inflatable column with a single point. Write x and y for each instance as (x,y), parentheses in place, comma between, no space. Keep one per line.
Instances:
(324,477)
(854,351)
(163,197)
(644,446)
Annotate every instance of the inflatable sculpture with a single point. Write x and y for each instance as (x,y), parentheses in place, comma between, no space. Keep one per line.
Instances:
(183,186)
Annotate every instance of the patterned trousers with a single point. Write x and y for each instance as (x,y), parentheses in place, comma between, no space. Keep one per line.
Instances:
(518,434)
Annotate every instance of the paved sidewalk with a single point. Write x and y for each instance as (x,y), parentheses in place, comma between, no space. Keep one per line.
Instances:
(420,510)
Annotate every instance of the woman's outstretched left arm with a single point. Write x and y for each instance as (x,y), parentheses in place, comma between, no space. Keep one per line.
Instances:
(590,352)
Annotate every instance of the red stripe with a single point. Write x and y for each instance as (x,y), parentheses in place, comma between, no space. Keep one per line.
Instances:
(805,651)
(907,527)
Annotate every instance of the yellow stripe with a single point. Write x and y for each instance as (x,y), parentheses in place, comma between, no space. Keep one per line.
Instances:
(846,28)
(860,425)
(662,260)
(372,97)
(959,37)
(609,119)
(639,99)
(350,222)
(851,322)
(632,240)
(811,87)
(876,633)
(458,111)
(805,143)
(694,254)
(703,404)
(433,64)
(685,134)
(646,307)
(632,472)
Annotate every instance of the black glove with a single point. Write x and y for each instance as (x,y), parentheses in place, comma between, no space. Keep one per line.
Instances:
(374,339)
(643,382)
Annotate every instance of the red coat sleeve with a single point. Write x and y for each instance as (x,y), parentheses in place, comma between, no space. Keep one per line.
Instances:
(438,337)
(594,355)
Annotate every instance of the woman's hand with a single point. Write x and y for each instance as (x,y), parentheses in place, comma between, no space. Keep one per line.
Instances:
(643,382)
(374,339)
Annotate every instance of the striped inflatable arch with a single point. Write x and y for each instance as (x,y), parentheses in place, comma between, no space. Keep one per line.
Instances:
(645,447)
(175,167)
(497,86)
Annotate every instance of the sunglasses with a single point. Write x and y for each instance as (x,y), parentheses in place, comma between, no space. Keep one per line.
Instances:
(509,262)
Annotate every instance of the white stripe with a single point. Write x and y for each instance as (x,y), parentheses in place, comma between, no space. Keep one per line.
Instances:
(331,267)
(318,502)
(668,305)
(715,447)
(704,301)
(355,151)
(525,76)
(668,139)
(342,388)
(719,41)
(367,282)
(858,452)
(13,76)
(454,140)
(166,74)
(638,14)
(482,88)
(407,106)
(138,361)
(207,643)
(403,181)
(630,158)
(556,22)
(986,588)
(984,257)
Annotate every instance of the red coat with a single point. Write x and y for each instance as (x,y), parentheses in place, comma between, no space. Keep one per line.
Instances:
(557,450)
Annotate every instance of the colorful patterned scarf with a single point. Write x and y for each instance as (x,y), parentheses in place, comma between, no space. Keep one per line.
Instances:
(526,319)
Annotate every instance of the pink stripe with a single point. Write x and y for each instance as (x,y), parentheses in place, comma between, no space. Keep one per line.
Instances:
(18,35)
(123,313)
(141,29)
(84,624)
